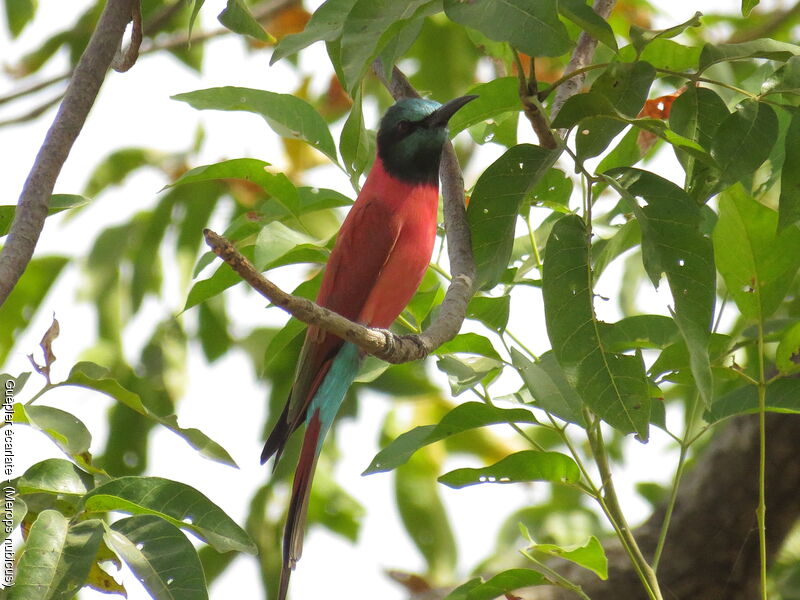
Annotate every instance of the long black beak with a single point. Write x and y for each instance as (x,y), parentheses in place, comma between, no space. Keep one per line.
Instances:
(441,115)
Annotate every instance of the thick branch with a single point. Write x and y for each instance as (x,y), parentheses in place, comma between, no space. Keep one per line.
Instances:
(81,93)
(712,547)
(581,57)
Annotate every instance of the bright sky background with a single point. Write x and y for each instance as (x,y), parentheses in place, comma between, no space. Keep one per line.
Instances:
(223,399)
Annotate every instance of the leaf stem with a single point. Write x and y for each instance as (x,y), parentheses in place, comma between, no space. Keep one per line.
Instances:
(612,506)
(555,577)
(684,443)
(761,512)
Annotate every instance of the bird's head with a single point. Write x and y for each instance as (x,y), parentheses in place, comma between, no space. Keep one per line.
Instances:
(411,137)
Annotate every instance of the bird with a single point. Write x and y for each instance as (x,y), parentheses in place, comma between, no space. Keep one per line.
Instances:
(381,253)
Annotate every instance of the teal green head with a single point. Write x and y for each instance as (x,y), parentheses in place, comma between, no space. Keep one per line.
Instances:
(411,137)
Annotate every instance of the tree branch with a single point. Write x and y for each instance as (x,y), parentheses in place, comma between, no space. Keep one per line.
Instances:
(712,548)
(581,57)
(123,61)
(80,96)
(382,343)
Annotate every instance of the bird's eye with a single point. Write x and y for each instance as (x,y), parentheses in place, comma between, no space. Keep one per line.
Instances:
(403,127)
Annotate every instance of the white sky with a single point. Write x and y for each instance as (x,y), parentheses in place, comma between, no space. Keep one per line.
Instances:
(223,399)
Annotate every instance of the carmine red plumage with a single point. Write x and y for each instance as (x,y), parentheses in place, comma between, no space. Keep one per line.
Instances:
(376,266)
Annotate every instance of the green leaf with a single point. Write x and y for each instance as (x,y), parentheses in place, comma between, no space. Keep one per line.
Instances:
(369,26)
(613,385)
(626,86)
(589,555)
(94,377)
(640,331)
(783,396)
(697,114)
(19,309)
(65,429)
(115,167)
(160,556)
(356,145)
(236,17)
(760,48)
(495,98)
(640,36)
(757,264)
(178,503)
(463,417)
(287,115)
(502,584)
(495,204)
(673,244)
(528,465)
(604,251)
(531,26)
(469,343)
(422,511)
(587,19)
(19,512)
(275,240)
(58,203)
(198,4)
(744,139)
(787,356)
(549,386)
(325,25)
(789,202)
(748,5)
(465,373)
(785,80)
(492,312)
(55,476)
(223,278)
(18,14)
(56,559)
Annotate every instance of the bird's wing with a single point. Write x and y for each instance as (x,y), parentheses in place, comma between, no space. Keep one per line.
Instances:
(363,247)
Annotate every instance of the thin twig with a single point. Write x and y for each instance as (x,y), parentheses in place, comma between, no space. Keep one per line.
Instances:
(80,96)
(33,113)
(124,61)
(528,90)
(260,12)
(581,57)
(380,342)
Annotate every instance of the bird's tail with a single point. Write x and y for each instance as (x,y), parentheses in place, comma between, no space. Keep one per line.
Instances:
(321,412)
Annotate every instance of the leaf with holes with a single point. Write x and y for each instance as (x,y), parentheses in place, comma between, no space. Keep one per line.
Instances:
(463,417)
(495,204)
(178,503)
(673,244)
(613,385)
(160,556)
(525,466)
(56,558)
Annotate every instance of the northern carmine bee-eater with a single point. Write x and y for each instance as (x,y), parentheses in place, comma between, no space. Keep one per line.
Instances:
(376,266)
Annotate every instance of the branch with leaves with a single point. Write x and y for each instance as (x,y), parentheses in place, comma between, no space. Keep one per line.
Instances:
(382,343)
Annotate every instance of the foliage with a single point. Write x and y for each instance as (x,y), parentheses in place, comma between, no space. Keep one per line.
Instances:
(724,233)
